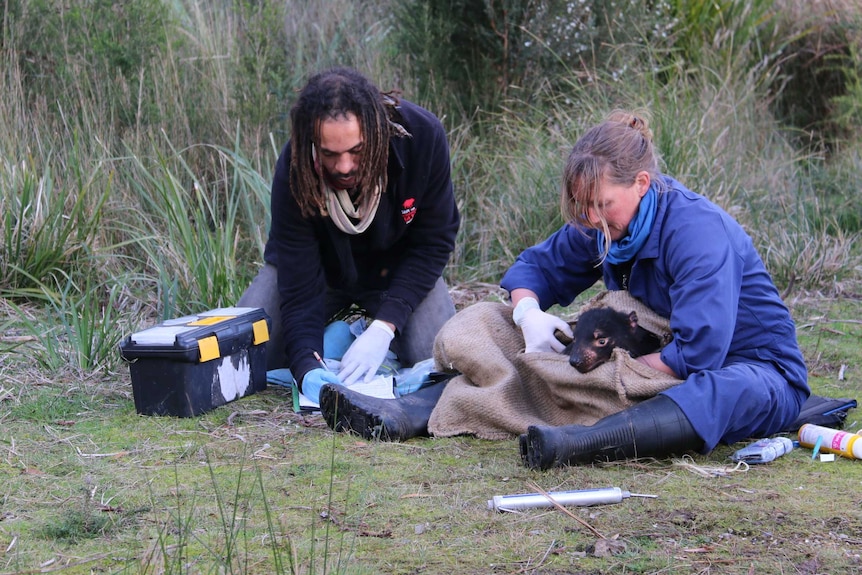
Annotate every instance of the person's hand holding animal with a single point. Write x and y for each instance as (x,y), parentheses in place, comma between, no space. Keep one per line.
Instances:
(365,355)
(538,327)
(654,361)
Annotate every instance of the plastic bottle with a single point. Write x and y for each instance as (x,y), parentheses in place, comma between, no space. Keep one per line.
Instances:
(844,443)
(414,378)
(582,498)
(764,450)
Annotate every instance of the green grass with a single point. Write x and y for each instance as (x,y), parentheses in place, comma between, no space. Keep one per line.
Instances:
(250,482)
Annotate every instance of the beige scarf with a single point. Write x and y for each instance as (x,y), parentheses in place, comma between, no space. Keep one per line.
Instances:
(340,208)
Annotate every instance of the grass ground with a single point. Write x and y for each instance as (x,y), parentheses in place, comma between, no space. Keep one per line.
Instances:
(89,486)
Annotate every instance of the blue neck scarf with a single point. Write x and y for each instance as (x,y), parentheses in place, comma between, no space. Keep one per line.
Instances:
(624,249)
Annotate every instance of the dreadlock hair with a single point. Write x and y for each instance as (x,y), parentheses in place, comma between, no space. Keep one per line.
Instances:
(616,149)
(333,94)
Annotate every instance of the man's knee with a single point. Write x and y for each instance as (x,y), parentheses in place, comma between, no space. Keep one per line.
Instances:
(263,293)
(263,290)
(416,343)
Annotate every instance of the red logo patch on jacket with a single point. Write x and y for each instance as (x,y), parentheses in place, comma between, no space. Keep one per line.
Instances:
(408,210)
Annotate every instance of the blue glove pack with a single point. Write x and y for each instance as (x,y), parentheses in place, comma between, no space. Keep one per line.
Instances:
(314,380)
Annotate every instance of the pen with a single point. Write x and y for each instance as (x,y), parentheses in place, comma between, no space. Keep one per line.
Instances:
(848,405)
(817,445)
(322,363)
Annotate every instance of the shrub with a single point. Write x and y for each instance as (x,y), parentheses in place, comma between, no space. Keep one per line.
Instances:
(817,92)
(68,52)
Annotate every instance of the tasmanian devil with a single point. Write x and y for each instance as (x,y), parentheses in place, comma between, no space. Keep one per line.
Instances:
(599,330)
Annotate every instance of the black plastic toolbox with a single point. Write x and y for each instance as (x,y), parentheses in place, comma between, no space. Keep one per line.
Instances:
(190,365)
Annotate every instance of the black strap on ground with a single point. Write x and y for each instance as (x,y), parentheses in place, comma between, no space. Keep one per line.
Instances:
(825,411)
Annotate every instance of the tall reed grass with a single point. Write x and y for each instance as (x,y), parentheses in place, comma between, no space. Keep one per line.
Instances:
(169,207)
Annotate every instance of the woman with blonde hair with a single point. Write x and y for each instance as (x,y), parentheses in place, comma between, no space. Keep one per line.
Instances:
(734,342)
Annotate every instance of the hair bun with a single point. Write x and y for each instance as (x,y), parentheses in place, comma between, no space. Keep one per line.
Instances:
(637,122)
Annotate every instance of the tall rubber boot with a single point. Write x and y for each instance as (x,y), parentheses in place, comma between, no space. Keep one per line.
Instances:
(374,418)
(656,427)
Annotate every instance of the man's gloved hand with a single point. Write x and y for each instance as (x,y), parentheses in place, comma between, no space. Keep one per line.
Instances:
(366,353)
(538,327)
(316,379)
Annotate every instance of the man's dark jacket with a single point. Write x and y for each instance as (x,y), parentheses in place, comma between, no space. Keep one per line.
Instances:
(402,253)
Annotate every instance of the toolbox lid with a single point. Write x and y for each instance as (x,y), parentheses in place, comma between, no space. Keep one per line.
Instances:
(200,337)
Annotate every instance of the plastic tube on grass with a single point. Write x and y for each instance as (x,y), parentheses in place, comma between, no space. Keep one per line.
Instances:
(580,498)
(843,443)
(764,450)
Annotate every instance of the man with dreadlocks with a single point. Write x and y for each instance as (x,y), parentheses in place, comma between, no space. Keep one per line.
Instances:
(363,213)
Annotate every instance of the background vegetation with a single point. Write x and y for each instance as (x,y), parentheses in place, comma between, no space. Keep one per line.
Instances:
(137,142)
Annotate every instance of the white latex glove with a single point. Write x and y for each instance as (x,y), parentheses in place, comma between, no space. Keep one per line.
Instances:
(538,327)
(365,355)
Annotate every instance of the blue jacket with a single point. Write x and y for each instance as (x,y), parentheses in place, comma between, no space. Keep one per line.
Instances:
(698,268)
(403,252)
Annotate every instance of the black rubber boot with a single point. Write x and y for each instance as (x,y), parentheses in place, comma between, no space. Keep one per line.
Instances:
(656,427)
(374,418)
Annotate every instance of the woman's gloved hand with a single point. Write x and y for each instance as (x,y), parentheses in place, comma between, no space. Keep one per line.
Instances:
(538,327)
(316,379)
(366,353)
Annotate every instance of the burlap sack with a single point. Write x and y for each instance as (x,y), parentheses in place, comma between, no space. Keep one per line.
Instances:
(501,390)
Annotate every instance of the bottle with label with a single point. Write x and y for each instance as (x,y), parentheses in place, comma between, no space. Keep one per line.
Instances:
(844,443)
(764,450)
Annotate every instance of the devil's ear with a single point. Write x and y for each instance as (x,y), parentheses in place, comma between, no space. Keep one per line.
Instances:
(633,321)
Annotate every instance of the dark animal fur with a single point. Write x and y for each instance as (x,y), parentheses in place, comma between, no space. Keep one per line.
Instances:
(599,330)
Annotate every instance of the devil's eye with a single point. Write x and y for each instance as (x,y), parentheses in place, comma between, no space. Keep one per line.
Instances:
(602,341)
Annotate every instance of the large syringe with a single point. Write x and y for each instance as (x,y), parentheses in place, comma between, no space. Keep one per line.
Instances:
(580,498)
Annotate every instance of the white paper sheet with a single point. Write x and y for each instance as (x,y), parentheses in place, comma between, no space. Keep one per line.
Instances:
(381,386)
